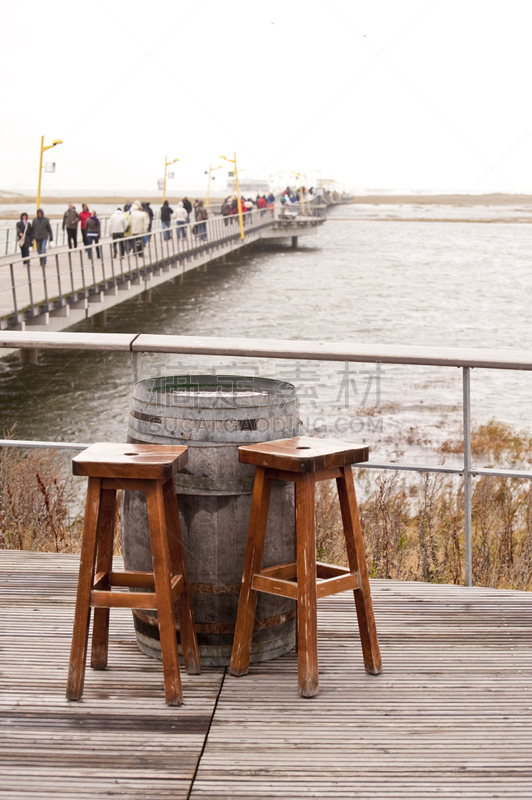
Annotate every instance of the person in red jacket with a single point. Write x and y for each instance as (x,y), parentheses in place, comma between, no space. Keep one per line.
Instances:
(84,216)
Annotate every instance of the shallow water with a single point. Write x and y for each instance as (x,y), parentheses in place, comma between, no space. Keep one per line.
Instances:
(463,284)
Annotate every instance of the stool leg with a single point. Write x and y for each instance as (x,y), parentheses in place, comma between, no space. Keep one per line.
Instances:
(247,604)
(307,619)
(165,607)
(78,652)
(357,563)
(104,563)
(189,640)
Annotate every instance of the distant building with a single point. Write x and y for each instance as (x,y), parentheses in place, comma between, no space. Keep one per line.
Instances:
(253,187)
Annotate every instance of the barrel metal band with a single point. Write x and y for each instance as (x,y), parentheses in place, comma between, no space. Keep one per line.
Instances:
(223,627)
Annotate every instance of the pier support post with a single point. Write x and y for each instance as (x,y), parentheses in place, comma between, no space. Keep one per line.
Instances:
(145,296)
(99,320)
(29,355)
(294,242)
(179,279)
(202,268)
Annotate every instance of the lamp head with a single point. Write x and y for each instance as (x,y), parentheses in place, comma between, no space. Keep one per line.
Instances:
(224,158)
(57,141)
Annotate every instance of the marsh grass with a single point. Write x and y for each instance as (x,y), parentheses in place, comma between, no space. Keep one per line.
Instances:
(414,527)
(36,496)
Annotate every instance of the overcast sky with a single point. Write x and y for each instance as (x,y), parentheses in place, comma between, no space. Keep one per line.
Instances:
(386,94)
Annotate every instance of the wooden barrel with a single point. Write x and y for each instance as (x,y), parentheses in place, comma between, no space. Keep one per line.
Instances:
(213,416)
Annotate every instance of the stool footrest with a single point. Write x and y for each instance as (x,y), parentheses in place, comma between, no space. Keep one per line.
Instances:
(105,598)
(263,583)
(334,585)
(147,601)
(279,580)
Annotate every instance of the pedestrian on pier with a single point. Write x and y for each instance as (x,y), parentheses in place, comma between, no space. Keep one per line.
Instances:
(84,216)
(92,232)
(42,232)
(226,209)
(139,222)
(166,219)
(147,210)
(201,217)
(24,236)
(118,224)
(181,220)
(187,205)
(71,220)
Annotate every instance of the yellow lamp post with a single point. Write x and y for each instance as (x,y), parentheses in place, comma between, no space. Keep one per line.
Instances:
(239,204)
(43,149)
(166,165)
(233,182)
(211,169)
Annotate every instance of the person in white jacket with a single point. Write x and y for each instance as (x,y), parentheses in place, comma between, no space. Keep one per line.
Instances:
(118,223)
(139,222)
(181,220)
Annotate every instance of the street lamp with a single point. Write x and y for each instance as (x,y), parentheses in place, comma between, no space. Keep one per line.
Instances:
(43,148)
(211,169)
(166,165)
(239,204)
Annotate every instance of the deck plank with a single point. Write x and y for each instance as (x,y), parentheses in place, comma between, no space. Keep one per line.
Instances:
(120,739)
(451,714)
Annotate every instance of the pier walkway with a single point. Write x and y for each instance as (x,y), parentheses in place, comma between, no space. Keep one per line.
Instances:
(450,715)
(76,284)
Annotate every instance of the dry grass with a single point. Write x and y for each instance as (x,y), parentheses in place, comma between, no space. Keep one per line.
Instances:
(414,528)
(37,498)
(35,502)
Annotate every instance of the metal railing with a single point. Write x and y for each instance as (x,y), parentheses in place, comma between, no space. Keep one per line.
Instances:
(466,360)
(36,287)
(9,236)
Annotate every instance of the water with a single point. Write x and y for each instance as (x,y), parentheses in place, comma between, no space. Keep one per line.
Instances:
(392,279)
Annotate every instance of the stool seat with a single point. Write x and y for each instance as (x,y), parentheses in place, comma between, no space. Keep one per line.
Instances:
(148,468)
(303,461)
(303,454)
(118,460)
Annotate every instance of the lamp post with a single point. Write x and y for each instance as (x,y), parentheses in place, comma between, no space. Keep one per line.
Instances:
(211,169)
(43,149)
(166,165)
(239,204)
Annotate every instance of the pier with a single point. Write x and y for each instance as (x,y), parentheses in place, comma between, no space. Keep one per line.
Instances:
(75,284)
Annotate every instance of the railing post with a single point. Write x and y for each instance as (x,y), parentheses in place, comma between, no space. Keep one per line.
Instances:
(14,292)
(466,380)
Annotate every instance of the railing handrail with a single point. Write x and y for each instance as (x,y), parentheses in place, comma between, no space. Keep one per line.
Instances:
(8,261)
(480,358)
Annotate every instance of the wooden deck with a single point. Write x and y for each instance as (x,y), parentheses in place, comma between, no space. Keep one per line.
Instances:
(450,716)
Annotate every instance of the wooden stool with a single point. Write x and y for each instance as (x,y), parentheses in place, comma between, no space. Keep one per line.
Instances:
(303,461)
(147,468)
